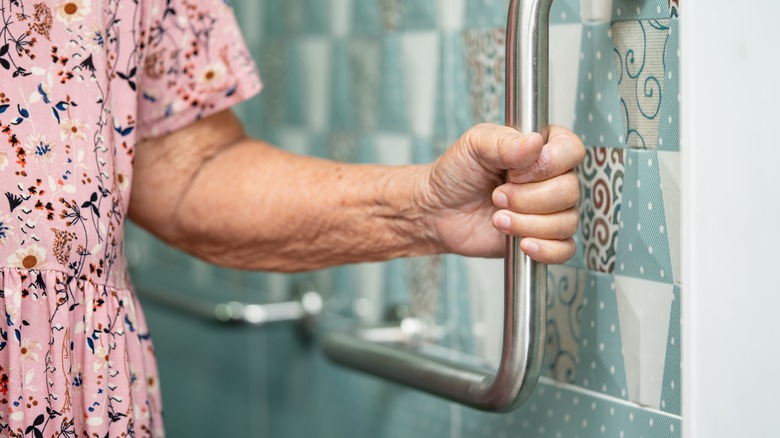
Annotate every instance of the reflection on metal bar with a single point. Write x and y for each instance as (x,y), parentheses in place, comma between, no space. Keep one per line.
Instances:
(525,281)
(305,309)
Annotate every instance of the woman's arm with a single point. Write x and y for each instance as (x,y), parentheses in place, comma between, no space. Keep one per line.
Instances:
(241,203)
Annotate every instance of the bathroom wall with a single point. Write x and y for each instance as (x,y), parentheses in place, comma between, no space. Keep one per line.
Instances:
(396,81)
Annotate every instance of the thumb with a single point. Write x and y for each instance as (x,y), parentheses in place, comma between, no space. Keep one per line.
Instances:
(498,148)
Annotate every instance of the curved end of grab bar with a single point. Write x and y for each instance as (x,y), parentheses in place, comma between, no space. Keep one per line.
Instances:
(525,317)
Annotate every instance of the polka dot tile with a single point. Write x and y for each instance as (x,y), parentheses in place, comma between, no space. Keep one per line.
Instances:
(600,366)
(643,246)
(640,9)
(599,117)
(565,11)
(669,130)
(671,394)
(562,412)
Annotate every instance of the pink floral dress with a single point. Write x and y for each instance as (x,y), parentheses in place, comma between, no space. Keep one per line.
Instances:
(81,81)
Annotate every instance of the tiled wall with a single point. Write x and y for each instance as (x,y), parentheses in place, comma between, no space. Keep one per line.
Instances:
(396,81)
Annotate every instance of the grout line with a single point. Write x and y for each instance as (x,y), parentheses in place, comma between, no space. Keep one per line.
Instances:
(590,393)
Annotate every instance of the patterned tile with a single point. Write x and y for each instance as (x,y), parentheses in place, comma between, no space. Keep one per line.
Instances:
(601,178)
(565,11)
(486,14)
(565,293)
(639,57)
(485,55)
(671,394)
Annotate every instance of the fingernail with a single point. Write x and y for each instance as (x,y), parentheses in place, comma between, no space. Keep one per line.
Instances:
(501,200)
(532,247)
(503,221)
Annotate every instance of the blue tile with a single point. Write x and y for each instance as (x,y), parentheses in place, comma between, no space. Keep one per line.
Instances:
(600,365)
(643,245)
(273,21)
(316,15)
(393,115)
(671,394)
(640,9)
(452,96)
(482,14)
(565,12)
(294,105)
(669,131)
(418,15)
(366,18)
(342,101)
(599,115)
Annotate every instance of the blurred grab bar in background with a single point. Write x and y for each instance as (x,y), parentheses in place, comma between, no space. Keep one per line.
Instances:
(525,281)
(304,310)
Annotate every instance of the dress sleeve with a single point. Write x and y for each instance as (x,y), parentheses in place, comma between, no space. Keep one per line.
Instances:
(195,63)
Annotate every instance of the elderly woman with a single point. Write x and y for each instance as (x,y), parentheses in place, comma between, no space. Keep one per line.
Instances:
(99,99)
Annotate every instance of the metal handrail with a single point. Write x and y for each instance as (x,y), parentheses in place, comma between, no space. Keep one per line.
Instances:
(525,281)
(304,309)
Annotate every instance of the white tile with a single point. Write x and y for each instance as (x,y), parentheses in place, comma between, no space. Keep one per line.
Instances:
(315,68)
(341,16)
(669,167)
(486,294)
(420,54)
(564,53)
(451,14)
(596,10)
(644,311)
(393,149)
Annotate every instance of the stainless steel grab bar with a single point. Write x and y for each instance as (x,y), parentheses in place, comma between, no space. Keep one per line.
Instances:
(304,309)
(525,281)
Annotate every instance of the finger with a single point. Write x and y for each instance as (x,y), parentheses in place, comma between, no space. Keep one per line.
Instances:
(498,148)
(558,226)
(551,252)
(556,194)
(564,151)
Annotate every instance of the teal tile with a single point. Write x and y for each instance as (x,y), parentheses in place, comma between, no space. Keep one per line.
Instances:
(643,246)
(422,151)
(669,131)
(366,18)
(393,115)
(452,95)
(342,101)
(640,9)
(295,104)
(316,14)
(486,14)
(600,365)
(456,309)
(418,15)
(366,150)
(599,117)
(565,12)
(365,62)
(671,394)
(273,21)
(564,412)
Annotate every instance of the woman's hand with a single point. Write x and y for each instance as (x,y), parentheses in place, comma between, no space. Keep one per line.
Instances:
(473,208)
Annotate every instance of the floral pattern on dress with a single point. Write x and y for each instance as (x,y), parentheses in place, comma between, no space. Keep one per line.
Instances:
(81,81)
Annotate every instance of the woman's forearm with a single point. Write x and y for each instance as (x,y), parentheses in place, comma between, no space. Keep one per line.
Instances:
(247,205)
